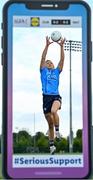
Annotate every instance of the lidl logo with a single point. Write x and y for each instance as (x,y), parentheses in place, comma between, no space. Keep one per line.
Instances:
(35,21)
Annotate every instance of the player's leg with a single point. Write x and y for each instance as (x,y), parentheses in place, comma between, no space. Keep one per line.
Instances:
(49,119)
(51,125)
(55,107)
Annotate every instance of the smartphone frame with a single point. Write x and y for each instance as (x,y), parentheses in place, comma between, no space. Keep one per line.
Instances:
(5,69)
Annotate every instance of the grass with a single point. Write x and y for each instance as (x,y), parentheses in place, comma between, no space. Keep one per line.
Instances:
(1,177)
(47,154)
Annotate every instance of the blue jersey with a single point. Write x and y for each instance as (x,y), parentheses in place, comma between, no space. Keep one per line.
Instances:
(50,80)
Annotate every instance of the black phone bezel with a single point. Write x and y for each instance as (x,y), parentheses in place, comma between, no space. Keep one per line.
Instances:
(37,5)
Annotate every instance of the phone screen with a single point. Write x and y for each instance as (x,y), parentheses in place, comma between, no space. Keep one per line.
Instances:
(47,92)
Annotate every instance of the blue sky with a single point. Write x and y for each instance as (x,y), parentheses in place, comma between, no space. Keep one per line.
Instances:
(25,115)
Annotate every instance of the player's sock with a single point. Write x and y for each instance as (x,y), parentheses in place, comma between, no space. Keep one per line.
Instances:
(51,143)
(57,132)
(52,147)
(57,128)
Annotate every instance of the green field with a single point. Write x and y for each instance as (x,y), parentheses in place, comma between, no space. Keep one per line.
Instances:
(1,167)
(47,154)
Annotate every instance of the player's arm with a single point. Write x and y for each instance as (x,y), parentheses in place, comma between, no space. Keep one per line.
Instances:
(62,55)
(43,57)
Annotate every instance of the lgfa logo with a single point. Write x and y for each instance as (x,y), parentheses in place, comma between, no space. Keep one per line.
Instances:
(35,21)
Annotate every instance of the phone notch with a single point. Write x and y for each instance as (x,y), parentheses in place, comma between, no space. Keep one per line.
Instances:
(47,5)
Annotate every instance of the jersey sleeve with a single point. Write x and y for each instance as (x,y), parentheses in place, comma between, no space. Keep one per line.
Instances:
(42,69)
(58,70)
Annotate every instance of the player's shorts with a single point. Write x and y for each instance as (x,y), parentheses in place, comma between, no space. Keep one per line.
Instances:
(48,102)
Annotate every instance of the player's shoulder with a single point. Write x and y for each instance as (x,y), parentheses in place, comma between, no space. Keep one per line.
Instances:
(57,69)
(42,69)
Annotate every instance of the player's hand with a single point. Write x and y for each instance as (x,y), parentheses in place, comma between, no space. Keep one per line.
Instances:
(48,42)
(61,42)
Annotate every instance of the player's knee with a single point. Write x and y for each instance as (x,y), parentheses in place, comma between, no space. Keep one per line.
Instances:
(53,111)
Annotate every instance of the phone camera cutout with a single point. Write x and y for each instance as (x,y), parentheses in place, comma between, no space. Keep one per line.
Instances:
(56,5)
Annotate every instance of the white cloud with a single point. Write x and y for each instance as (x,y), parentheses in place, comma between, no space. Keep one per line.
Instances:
(27,102)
